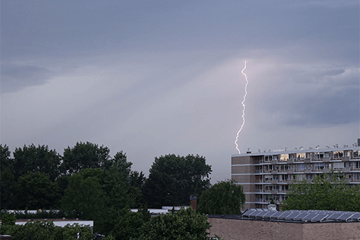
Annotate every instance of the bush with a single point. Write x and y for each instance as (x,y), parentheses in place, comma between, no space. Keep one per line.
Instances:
(47,230)
(8,219)
(185,224)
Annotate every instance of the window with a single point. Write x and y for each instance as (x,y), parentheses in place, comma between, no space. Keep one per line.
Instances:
(356,165)
(292,156)
(300,156)
(283,177)
(327,155)
(319,166)
(356,154)
(309,176)
(319,155)
(338,154)
(308,155)
(357,176)
(338,165)
(284,157)
(300,167)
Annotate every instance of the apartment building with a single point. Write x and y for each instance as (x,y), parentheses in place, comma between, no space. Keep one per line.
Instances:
(267,175)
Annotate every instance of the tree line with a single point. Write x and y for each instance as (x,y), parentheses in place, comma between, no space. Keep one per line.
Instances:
(86,182)
(39,177)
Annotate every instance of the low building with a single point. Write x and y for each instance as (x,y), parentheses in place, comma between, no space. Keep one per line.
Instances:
(296,225)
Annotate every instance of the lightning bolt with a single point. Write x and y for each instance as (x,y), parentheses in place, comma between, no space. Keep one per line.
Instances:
(243,112)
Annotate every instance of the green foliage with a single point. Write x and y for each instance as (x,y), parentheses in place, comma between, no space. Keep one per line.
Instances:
(85,155)
(173,179)
(325,192)
(185,224)
(36,159)
(8,219)
(7,189)
(83,197)
(35,190)
(225,197)
(47,230)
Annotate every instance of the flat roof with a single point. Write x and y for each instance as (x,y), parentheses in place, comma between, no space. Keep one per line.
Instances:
(277,152)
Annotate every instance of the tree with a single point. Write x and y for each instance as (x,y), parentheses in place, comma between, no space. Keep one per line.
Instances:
(173,179)
(85,155)
(7,178)
(123,223)
(36,159)
(225,197)
(185,224)
(325,192)
(5,161)
(83,197)
(35,190)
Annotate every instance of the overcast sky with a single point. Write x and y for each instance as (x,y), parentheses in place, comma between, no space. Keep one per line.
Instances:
(164,77)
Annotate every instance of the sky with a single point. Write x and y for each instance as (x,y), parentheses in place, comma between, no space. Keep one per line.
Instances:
(160,77)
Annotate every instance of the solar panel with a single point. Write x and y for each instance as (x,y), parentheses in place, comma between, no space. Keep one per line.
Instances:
(309,217)
(292,216)
(276,215)
(319,218)
(255,213)
(345,217)
(356,216)
(284,215)
(301,216)
(335,216)
(261,214)
(270,214)
(248,212)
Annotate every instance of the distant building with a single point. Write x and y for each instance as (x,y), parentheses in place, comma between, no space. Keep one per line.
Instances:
(266,176)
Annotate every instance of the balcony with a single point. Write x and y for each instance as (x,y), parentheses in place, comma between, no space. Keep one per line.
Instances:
(307,160)
(290,161)
(274,161)
(274,191)
(274,171)
(290,171)
(307,171)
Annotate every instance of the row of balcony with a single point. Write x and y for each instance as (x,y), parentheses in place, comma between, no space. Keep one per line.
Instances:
(307,170)
(307,160)
(289,181)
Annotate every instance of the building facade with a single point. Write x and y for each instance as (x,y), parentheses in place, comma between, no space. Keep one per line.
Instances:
(266,176)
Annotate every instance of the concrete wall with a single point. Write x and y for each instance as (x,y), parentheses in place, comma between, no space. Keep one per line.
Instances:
(229,229)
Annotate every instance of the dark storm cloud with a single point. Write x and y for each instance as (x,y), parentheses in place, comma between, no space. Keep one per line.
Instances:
(317,98)
(16,77)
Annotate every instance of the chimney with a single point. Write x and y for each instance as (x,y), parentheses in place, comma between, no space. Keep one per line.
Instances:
(358,142)
(193,202)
